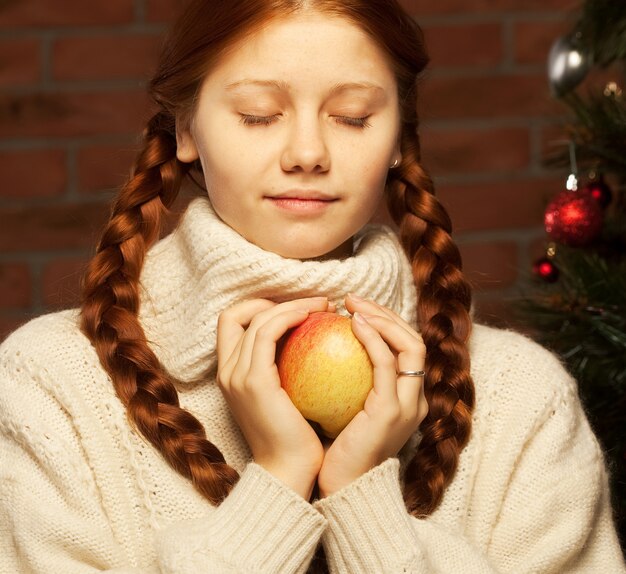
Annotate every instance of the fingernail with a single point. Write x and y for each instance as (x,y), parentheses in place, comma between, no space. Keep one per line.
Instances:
(332,306)
(360,319)
(319,298)
(356,297)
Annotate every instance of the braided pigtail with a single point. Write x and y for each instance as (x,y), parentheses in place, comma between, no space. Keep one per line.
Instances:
(110,304)
(445,324)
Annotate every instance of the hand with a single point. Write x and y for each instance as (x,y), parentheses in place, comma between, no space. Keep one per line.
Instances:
(395,406)
(280,439)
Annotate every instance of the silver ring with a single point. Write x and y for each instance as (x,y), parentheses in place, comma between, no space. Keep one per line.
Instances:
(411,374)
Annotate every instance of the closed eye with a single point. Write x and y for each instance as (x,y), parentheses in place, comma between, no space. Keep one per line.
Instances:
(251,120)
(354,122)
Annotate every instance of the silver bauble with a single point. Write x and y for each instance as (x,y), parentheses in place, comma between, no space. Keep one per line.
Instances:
(567,65)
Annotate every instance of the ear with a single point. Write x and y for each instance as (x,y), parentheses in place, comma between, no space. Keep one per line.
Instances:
(398,149)
(396,157)
(186,149)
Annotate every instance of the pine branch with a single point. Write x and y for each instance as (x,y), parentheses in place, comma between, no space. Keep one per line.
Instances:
(583,316)
(602,28)
(598,128)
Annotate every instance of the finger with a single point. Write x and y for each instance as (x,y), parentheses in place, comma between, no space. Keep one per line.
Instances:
(309,305)
(263,355)
(226,368)
(411,396)
(368,307)
(411,354)
(233,322)
(231,325)
(407,344)
(257,352)
(380,355)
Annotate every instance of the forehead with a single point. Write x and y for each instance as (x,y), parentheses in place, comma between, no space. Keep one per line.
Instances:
(304,47)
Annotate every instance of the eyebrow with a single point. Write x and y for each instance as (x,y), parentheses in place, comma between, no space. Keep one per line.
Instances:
(356,86)
(274,84)
(284,86)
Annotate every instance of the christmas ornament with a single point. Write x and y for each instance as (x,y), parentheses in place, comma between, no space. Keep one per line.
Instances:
(544,268)
(568,64)
(600,191)
(573,218)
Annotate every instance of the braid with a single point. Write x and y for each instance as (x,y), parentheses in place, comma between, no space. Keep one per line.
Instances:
(445,324)
(110,304)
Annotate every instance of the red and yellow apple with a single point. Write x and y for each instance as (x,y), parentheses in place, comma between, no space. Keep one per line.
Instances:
(325,370)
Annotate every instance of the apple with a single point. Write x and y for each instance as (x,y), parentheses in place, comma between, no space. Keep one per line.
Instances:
(325,370)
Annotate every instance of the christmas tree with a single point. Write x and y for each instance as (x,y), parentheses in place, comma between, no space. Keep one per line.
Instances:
(577,303)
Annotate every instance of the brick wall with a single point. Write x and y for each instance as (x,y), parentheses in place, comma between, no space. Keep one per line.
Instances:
(72,102)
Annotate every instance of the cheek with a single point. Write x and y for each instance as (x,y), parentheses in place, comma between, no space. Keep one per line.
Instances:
(235,162)
(371,179)
(369,172)
(222,166)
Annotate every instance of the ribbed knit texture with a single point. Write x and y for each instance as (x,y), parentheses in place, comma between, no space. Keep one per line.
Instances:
(81,492)
(209,267)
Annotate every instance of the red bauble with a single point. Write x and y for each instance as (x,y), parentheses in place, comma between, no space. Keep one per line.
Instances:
(600,191)
(574,218)
(545,269)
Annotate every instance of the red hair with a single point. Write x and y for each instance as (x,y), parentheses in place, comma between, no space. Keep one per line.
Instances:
(110,298)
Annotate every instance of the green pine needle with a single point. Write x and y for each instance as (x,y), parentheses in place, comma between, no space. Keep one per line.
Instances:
(602,28)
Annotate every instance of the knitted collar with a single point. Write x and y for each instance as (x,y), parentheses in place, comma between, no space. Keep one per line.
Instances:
(204,266)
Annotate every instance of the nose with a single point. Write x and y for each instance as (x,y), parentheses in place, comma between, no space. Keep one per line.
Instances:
(306,147)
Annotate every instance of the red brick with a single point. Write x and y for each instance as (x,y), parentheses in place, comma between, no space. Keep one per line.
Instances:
(51,227)
(105,57)
(73,114)
(490,265)
(33,173)
(104,166)
(475,150)
(162,10)
(457,97)
(428,7)
(554,139)
(20,64)
(15,286)
(61,283)
(533,39)
(476,45)
(47,14)
(498,205)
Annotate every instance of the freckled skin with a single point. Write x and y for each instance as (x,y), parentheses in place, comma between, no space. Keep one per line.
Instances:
(325,371)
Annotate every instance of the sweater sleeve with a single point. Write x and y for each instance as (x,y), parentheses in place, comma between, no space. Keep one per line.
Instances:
(555,516)
(53,517)
(262,526)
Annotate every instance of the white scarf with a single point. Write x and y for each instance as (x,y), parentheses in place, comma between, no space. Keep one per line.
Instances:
(204,267)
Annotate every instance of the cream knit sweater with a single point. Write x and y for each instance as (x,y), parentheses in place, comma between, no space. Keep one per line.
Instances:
(81,492)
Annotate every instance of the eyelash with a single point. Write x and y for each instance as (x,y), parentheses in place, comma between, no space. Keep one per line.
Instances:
(250,120)
(361,123)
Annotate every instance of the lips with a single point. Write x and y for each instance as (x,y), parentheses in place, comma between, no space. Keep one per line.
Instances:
(299,202)
(303,195)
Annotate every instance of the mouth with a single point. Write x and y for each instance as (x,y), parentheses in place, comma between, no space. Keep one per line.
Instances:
(302,201)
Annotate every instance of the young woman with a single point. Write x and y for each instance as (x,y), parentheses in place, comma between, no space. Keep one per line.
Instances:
(148,432)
